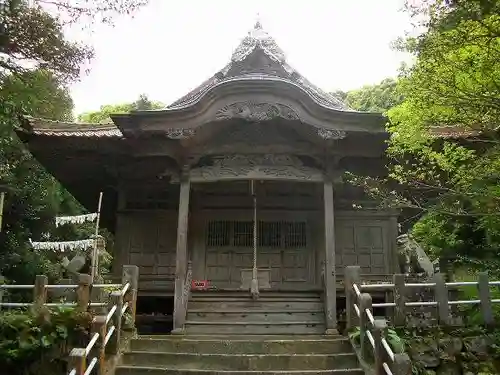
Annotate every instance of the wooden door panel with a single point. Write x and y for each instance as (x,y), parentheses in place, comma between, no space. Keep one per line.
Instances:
(369,236)
(218,274)
(269,259)
(363,243)
(147,239)
(276,251)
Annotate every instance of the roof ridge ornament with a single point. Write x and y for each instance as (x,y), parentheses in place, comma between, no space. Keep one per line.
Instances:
(258,24)
(260,68)
(259,38)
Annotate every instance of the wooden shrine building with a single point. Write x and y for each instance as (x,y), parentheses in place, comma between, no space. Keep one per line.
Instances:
(242,177)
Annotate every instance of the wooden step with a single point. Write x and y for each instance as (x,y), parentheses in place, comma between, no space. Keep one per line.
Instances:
(262,293)
(261,299)
(254,305)
(259,316)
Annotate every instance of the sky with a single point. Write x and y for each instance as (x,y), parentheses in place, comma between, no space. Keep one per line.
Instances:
(169,47)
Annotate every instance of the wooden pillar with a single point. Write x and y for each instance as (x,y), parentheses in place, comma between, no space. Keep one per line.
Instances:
(181,252)
(330,283)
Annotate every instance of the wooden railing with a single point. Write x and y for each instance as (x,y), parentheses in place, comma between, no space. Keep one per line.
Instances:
(106,329)
(373,331)
(41,290)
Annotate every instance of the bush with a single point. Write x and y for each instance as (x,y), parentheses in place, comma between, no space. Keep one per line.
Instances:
(39,343)
(396,343)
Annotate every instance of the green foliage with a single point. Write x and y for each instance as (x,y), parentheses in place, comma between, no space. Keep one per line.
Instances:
(35,197)
(470,355)
(39,93)
(34,33)
(455,82)
(396,343)
(372,98)
(40,342)
(453,88)
(102,116)
(375,98)
(36,62)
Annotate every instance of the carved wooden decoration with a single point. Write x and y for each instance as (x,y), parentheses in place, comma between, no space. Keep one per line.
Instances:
(256,112)
(331,133)
(259,167)
(258,38)
(179,133)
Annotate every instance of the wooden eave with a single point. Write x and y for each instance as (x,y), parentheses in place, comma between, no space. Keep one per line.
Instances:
(272,90)
(257,74)
(44,127)
(85,158)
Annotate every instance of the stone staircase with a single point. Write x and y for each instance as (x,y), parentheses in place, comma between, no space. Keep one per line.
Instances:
(274,313)
(229,333)
(239,355)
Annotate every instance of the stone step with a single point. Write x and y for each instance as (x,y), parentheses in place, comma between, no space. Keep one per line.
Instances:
(256,316)
(249,305)
(218,346)
(142,370)
(246,337)
(256,328)
(240,362)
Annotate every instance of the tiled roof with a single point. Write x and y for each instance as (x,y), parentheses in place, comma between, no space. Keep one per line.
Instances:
(243,67)
(69,129)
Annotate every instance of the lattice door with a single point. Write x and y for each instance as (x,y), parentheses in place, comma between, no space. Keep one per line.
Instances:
(281,247)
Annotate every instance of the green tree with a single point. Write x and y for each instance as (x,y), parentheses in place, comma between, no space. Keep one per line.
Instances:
(453,88)
(102,115)
(375,98)
(40,93)
(33,33)
(36,63)
(35,197)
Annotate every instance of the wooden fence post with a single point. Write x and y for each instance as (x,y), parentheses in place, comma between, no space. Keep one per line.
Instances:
(131,275)
(379,332)
(401,365)
(485,298)
(77,361)
(40,293)
(365,302)
(351,277)
(399,300)
(83,292)
(441,296)
(116,320)
(99,326)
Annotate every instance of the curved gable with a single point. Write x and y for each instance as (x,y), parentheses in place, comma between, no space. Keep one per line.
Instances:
(259,57)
